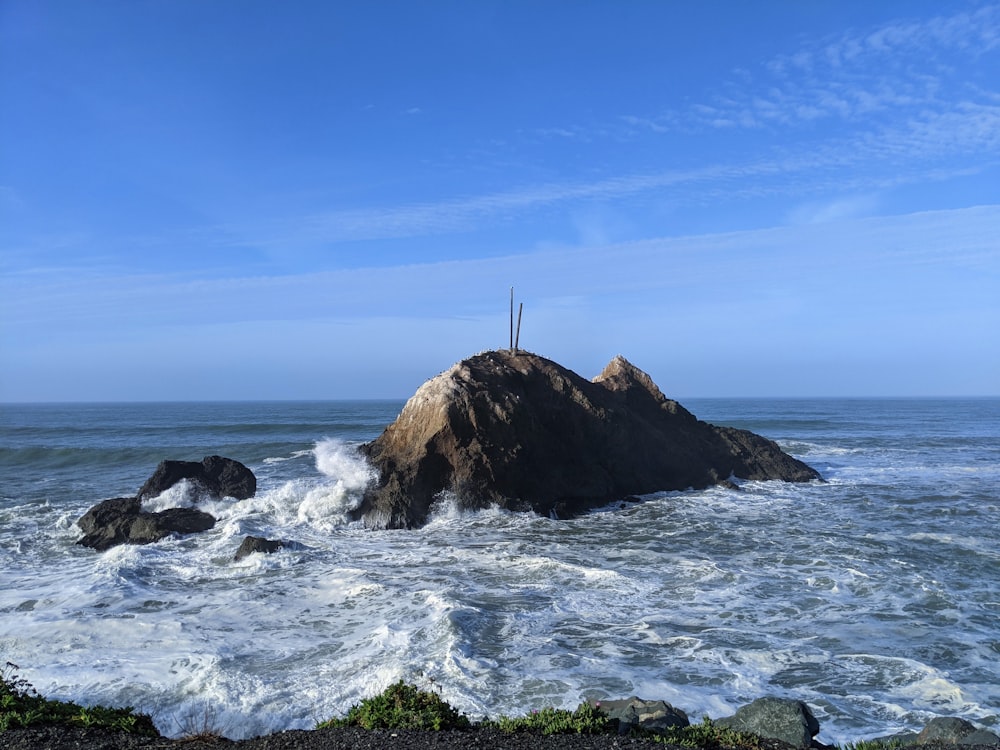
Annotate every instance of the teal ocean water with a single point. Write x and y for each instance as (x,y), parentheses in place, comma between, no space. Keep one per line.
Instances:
(874,597)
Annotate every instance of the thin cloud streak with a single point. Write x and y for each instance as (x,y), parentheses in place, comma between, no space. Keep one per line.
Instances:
(857,162)
(683,265)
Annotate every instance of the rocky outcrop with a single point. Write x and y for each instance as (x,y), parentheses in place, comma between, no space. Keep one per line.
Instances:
(122,520)
(213,475)
(522,432)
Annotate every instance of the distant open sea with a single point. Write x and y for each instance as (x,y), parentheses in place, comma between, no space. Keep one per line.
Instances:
(874,597)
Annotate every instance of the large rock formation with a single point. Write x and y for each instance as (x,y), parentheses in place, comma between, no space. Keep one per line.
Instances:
(522,432)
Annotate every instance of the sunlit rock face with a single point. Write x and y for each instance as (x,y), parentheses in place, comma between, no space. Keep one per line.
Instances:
(519,431)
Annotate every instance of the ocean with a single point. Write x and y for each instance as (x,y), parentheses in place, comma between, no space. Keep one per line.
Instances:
(874,597)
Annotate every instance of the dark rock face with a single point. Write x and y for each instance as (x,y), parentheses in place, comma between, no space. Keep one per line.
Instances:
(252,544)
(782,719)
(218,476)
(522,432)
(122,520)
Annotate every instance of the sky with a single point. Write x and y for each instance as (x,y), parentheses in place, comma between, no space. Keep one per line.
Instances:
(240,199)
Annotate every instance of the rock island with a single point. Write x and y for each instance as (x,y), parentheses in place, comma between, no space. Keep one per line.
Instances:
(516,430)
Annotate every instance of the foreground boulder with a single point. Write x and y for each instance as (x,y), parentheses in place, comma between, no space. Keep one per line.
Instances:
(214,475)
(122,520)
(782,719)
(524,433)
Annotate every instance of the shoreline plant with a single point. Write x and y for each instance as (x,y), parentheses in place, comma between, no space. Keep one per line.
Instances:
(22,706)
(401,706)
(586,719)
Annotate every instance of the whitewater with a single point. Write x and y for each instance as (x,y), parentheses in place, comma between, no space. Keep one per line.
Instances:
(873,596)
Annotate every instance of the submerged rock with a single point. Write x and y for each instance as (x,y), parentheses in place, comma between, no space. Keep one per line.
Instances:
(524,433)
(253,544)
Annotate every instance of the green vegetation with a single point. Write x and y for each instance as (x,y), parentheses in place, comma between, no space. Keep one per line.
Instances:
(586,719)
(707,736)
(887,744)
(22,706)
(401,706)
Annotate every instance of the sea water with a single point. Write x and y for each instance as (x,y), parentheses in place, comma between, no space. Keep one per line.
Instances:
(874,596)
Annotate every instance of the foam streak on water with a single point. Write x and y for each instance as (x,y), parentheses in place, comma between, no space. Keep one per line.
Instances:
(875,597)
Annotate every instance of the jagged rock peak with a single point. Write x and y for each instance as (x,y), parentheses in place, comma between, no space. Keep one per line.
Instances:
(620,374)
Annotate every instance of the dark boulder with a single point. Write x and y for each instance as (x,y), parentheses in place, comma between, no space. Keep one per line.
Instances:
(253,544)
(783,719)
(214,475)
(524,433)
(122,520)
(108,512)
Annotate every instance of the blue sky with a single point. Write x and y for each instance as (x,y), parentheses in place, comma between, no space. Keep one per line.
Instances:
(255,200)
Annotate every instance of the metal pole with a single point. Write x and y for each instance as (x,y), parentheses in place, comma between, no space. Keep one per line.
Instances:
(517,341)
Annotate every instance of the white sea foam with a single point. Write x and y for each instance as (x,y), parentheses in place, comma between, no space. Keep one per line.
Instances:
(872,597)
(184,494)
(292,457)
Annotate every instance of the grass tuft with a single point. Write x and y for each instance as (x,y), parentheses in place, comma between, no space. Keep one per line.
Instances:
(886,744)
(586,719)
(200,725)
(706,736)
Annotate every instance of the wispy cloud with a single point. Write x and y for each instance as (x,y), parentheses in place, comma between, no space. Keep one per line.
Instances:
(922,148)
(901,115)
(898,66)
(683,266)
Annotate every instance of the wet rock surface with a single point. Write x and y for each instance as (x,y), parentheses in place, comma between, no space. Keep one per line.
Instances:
(122,520)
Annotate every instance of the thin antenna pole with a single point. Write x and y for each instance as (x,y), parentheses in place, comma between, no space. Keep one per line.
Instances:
(512,317)
(517,341)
